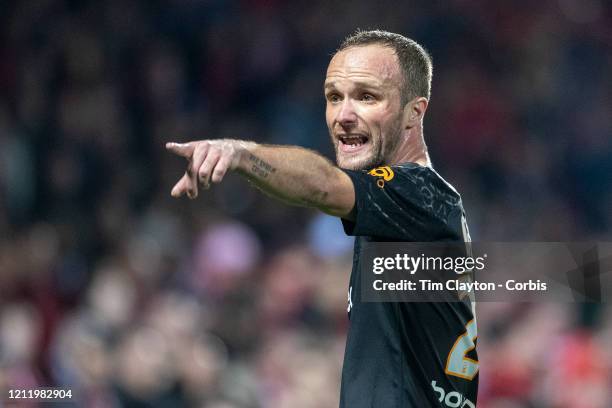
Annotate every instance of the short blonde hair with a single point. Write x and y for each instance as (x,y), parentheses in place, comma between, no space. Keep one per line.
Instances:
(415,62)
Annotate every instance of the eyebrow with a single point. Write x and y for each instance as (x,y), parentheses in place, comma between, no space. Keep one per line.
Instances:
(361,84)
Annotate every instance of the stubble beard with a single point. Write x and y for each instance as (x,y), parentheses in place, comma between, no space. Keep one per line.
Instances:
(372,159)
(381,151)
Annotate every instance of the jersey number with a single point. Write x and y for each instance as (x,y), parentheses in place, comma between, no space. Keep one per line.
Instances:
(457,364)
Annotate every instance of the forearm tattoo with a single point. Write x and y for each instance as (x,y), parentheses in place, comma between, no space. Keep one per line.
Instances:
(260,167)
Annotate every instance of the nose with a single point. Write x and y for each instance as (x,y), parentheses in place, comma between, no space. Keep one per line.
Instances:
(347,117)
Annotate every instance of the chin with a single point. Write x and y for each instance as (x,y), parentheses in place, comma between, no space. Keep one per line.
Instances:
(356,162)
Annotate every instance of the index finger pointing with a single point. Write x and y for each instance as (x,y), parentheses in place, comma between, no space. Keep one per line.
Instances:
(182,149)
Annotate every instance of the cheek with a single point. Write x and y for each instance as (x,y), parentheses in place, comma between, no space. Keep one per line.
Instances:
(378,122)
(329,116)
(385,128)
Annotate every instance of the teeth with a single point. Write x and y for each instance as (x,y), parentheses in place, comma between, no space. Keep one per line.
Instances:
(353,140)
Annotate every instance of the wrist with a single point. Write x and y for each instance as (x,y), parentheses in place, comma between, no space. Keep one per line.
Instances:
(243,150)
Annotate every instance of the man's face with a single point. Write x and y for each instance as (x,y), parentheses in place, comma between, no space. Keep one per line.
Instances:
(364,111)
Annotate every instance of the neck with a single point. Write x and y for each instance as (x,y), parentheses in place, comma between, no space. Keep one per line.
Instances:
(412,148)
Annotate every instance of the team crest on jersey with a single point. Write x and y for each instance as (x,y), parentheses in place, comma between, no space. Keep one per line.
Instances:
(384,173)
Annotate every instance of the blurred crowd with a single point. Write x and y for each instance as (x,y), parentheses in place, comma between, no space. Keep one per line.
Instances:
(130,298)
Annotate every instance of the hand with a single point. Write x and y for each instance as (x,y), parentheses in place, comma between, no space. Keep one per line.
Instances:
(208,160)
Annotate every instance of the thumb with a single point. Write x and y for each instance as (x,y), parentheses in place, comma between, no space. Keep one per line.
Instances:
(182,149)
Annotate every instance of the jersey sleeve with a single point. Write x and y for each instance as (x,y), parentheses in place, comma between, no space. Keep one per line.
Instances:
(404,203)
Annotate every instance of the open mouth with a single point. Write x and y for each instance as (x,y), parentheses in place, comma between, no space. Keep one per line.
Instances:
(352,142)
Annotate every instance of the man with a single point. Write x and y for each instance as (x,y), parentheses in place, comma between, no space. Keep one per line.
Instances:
(384,189)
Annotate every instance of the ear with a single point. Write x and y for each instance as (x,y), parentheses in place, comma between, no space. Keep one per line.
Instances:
(414,111)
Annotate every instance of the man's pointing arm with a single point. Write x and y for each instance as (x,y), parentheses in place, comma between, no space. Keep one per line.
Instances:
(292,174)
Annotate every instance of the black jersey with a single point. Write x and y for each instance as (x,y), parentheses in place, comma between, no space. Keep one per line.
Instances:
(401,355)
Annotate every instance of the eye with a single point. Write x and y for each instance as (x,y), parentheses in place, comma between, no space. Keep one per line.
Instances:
(333,97)
(367,97)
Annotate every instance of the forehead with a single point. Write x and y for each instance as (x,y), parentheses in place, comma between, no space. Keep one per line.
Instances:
(377,63)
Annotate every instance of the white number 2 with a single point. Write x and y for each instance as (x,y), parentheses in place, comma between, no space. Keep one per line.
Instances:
(457,364)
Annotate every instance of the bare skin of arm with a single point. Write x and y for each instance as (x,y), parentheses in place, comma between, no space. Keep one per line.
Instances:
(291,174)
